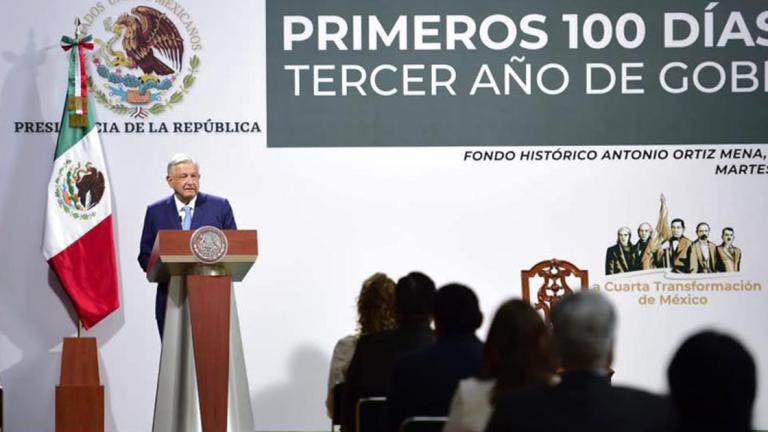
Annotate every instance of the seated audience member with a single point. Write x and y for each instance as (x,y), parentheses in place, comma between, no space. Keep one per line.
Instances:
(516,354)
(375,312)
(584,400)
(712,381)
(371,366)
(424,381)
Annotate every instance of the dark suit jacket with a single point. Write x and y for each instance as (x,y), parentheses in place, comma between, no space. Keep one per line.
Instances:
(582,402)
(642,256)
(616,260)
(163,215)
(424,381)
(727,261)
(370,369)
(678,258)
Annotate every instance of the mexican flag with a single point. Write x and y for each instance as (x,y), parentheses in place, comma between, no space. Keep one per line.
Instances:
(78,242)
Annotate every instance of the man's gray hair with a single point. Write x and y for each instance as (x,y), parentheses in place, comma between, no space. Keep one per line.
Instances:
(178,159)
(584,324)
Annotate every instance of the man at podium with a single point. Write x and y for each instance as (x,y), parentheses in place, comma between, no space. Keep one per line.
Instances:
(186,209)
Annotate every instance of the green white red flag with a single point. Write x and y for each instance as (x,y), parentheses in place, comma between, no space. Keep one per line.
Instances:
(78,242)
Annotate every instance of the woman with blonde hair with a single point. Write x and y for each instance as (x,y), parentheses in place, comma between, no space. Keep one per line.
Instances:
(375,312)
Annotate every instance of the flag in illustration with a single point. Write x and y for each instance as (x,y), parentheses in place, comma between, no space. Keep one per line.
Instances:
(78,242)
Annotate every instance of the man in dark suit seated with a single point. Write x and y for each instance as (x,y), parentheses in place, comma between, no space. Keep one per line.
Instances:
(371,366)
(186,209)
(584,400)
(424,381)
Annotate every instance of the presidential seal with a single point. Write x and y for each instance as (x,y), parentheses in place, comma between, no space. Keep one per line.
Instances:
(208,244)
(79,187)
(143,62)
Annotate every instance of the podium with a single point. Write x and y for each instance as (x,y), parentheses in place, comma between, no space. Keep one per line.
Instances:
(202,383)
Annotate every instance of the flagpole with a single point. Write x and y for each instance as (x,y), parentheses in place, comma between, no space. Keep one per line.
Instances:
(78,35)
(84,264)
(94,275)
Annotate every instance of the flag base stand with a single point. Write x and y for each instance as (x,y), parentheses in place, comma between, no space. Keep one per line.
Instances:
(79,395)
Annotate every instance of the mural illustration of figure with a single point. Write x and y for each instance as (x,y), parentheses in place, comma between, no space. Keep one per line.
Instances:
(727,256)
(619,256)
(702,252)
(674,252)
(642,251)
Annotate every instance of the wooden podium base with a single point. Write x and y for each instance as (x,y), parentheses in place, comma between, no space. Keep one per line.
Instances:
(79,396)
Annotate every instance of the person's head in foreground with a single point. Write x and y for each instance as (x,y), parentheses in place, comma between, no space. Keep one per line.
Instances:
(376,304)
(457,311)
(517,349)
(414,298)
(583,325)
(712,382)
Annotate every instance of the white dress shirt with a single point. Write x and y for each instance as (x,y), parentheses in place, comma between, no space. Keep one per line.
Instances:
(471,406)
(180,205)
(342,356)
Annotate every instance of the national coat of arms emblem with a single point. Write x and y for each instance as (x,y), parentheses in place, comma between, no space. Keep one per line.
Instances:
(208,244)
(143,67)
(79,188)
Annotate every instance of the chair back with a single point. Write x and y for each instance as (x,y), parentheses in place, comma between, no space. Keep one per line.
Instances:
(559,278)
(338,403)
(423,424)
(369,415)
